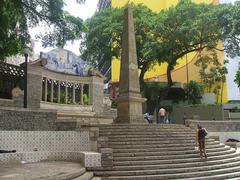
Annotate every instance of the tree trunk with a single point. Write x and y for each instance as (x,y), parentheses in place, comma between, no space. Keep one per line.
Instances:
(141,77)
(169,76)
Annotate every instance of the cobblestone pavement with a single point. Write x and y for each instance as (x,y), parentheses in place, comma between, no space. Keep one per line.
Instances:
(52,170)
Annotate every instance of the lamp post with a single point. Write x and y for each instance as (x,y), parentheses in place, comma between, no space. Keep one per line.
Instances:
(25,76)
(187,80)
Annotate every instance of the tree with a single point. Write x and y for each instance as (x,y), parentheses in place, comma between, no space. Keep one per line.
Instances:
(237,78)
(16,16)
(194,91)
(212,73)
(228,18)
(103,40)
(186,28)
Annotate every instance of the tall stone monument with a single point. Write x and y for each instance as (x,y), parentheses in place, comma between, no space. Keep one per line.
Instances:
(129,102)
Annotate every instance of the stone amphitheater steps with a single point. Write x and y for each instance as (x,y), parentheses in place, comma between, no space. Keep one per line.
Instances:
(171,171)
(162,157)
(174,161)
(164,152)
(124,146)
(176,165)
(152,149)
(85,176)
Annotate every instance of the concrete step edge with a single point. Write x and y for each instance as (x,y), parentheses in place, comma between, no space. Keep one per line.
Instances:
(169,161)
(178,165)
(193,151)
(171,156)
(171,170)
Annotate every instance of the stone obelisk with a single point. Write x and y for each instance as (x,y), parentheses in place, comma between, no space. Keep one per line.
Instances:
(129,102)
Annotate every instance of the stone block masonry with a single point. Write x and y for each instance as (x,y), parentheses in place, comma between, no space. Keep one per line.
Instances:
(25,119)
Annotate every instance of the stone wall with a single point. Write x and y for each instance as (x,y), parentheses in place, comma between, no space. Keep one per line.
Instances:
(16,101)
(6,102)
(26,119)
(224,136)
(223,130)
(216,126)
(202,112)
(96,95)
(34,88)
(28,141)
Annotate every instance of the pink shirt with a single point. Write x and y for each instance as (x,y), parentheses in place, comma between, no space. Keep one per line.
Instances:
(162,112)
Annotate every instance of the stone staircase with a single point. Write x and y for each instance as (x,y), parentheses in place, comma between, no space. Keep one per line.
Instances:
(164,152)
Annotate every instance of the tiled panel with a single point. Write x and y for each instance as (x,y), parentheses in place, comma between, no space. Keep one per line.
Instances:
(44,140)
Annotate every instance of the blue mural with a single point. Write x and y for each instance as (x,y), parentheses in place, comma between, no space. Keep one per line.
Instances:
(65,61)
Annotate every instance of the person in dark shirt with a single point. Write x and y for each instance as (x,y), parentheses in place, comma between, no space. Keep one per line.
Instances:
(5,151)
(200,140)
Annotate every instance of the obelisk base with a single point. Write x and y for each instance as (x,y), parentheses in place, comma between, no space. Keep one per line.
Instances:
(129,110)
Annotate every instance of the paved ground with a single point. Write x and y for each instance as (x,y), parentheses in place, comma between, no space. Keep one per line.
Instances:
(53,170)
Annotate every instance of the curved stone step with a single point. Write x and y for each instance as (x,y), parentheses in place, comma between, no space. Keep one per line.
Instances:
(213,174)
(228,176)
(155,141)
(185,156)
(143,136)
(85,176)
(152,149)
(149,136)
(173,161)
(159,145)
(161,153)
(143,131)
(169,173)
(178,165)
(162,126)
(152,142)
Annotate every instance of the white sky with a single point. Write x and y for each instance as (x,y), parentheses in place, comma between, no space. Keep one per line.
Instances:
(83,11)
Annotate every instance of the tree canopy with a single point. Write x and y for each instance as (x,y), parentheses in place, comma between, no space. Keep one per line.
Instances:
(185,28)
(166,36)
(237,79)
(103,40)
(16,16)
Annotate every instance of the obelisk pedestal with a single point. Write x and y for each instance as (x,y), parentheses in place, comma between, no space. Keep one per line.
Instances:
(129,102)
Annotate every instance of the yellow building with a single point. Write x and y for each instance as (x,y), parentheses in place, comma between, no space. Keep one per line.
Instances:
(159,72)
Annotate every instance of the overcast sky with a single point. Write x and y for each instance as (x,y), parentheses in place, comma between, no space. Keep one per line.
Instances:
(83,11)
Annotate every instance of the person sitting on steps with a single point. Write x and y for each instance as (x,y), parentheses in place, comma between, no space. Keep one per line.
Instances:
(200,140)
(148,118)
(5,151)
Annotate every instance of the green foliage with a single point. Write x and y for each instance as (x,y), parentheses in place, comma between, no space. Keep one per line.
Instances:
(194,91)
(164,37)
(16,16)
(151,91)
(228,18)
(103,40)
(215,74)
(186,28)
(85,99)
(237,78)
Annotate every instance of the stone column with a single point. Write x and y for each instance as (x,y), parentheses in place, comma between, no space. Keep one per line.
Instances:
(59,91)
(66,93)
(45,95)
(34,87)
(96,94)
(74,101)
(51,90)
(107,158)
(129,102)
(81,95)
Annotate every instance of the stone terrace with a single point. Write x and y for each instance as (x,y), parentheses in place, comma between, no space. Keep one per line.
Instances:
(162,152)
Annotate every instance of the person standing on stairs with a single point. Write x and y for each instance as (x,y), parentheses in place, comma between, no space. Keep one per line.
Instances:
(161,115)
(200,140)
